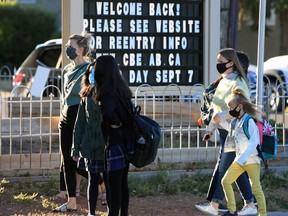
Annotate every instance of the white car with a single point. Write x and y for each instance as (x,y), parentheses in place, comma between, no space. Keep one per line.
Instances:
(275,77)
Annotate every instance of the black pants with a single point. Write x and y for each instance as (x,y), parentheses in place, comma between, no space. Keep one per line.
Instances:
(117,192)
(68,165)
(62,179)
(92,191)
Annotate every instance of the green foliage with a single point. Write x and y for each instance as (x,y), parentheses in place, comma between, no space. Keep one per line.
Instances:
(21,29)
(281,6)
(48,188)
(163,183)
(191,184)
(37,194)
(273,181)
(155,185)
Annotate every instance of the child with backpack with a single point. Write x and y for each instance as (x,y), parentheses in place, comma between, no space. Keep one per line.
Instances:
(246,158)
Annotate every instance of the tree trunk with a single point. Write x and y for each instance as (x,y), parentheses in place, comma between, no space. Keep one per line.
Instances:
(283,17)
(229,23)
(224,23)
(233,24)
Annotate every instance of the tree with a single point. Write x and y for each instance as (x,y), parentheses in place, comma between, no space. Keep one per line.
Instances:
(281,7)
(21,29)
(251,8)
(229,23)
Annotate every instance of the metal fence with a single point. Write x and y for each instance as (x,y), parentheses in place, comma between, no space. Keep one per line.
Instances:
(29,136)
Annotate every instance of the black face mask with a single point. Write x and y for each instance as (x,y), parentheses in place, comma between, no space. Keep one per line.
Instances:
(71,52)
(234,112)
(221,67)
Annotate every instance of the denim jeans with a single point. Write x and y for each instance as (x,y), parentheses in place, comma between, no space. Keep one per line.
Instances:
(224,161)
(213,182)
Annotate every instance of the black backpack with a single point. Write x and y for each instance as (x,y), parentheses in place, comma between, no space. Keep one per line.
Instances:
(146,134)
(147,138)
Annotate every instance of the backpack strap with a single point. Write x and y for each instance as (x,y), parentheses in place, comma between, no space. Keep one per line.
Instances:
(245,129)
(245,126)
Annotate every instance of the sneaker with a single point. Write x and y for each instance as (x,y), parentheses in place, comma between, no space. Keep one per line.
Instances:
(248,210)
(228,213)
(207,208)
(206,202)
(222,208)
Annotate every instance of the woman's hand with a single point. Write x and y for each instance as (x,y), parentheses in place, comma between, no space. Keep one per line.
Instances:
(207,136)
(75,158)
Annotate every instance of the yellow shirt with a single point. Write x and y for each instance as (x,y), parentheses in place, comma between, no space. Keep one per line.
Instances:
(224,91)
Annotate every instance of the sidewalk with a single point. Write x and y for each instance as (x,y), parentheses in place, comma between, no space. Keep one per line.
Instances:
(277,213)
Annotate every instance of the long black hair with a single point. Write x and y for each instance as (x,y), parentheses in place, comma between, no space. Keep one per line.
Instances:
(86,87)
(109,79)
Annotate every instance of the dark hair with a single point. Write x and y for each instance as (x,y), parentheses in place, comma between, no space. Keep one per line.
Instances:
(109,79)
(244,60)
(231,55)
(86,87)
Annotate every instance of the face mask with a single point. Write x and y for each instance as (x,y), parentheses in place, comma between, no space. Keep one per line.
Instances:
(234,112)
(221,67)
(91,77)
(71,52)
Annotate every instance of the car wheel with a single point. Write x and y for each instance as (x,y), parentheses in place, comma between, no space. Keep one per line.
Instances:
(274,101)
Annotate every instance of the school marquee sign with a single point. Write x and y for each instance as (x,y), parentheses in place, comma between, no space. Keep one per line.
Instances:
(154,43)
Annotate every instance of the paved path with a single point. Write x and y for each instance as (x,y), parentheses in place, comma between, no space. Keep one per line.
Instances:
(277,213)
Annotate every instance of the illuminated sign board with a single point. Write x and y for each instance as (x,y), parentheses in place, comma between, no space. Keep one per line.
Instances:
(154,43)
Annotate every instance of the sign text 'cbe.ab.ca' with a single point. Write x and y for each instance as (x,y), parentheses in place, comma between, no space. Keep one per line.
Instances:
(154,43)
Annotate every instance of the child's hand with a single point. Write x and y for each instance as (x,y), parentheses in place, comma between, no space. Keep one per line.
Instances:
(217,119)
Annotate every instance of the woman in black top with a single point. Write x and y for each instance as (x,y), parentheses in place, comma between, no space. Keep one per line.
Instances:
(115,97)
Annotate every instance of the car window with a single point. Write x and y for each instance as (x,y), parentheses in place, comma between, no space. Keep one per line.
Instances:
(49,57)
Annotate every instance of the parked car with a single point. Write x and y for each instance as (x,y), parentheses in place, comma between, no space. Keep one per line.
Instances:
(46,55)
(276,69)
(275,73)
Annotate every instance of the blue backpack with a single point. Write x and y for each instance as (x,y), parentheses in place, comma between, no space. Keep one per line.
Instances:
(267,148)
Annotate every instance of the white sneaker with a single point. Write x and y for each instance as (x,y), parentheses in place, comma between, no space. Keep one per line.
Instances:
(207,208)
(247,210)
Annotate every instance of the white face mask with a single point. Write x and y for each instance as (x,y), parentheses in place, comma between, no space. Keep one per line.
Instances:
(91,77)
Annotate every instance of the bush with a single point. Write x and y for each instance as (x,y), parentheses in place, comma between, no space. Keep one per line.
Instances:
(21,29)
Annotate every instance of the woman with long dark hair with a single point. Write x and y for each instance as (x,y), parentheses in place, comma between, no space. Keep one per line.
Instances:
(88,141)
(232,76)
(114,95)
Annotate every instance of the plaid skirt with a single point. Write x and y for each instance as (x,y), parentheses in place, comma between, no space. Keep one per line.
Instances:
(117,156)
(92,166)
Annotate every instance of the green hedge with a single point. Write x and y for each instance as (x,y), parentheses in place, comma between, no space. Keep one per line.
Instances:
(21,29)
